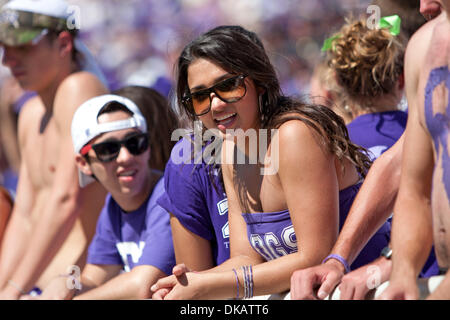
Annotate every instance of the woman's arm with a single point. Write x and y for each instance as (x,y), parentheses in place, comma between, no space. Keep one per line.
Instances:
(195,256)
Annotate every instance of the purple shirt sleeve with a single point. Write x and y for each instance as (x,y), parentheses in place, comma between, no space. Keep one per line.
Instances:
(194,195)
(185,199)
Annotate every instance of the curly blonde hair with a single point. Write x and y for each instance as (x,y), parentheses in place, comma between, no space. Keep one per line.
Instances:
(367,61)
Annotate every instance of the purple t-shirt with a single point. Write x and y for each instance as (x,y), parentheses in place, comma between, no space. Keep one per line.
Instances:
(199,205)
(272,234)
(141,237)
(377,131)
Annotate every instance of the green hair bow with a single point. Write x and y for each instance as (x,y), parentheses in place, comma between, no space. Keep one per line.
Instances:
(392,23)
(327,44)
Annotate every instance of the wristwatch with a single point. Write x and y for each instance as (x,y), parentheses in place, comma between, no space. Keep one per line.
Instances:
(386,252)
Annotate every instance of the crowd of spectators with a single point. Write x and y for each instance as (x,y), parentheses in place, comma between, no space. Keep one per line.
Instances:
(135,41)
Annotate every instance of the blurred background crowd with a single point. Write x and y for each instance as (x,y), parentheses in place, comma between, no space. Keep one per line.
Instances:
(136,42)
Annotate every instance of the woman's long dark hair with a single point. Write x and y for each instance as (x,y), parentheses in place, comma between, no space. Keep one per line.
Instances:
(328,125)
(239,51)
(236,50)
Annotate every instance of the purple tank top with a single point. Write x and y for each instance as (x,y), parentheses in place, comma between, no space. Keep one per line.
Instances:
(272,234)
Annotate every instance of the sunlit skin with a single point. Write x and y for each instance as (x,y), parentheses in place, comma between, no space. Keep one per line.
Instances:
(21,60)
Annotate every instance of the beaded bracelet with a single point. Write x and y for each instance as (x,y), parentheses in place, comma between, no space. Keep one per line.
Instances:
(248,281)
(244,276)
(237,284)
(251,281)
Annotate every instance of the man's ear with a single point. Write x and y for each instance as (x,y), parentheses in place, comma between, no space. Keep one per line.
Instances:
(83,165)
(65,41)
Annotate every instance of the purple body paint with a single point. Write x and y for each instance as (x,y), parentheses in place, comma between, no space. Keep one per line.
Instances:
(438,124)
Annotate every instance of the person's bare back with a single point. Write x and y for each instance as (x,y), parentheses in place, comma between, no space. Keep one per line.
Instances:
(434,85)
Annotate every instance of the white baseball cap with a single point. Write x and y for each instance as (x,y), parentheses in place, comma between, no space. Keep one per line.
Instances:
(53,8)
(26,21)
(85,126)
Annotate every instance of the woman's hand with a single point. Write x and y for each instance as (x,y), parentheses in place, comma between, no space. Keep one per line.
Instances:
(57,289)
(358,283)
(183,286)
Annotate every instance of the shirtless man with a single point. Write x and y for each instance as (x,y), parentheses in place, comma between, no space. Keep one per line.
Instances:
(422,210)
(53,220)
(371,206)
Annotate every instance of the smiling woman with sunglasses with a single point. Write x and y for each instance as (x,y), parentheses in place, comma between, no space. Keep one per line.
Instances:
(278,222)
(133,232)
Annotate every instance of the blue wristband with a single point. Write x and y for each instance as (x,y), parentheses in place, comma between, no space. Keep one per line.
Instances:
(237,284)
(340,259)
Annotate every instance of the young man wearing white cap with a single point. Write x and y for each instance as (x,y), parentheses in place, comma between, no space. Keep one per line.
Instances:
(133,232)
(53,220)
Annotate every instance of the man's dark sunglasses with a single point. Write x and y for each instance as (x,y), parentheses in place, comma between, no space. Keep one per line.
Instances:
(229,90)
(109,150)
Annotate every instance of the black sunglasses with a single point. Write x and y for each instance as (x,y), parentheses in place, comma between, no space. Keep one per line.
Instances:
(109,150)
(229,90)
